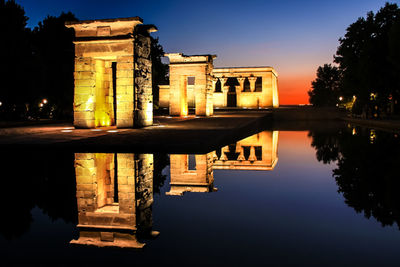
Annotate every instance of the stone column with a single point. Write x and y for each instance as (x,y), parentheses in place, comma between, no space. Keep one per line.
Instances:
(214,83)
(241,82)
(238,92)
(224,150)
(241,155)
(224,90)
(252,156)
(252,81)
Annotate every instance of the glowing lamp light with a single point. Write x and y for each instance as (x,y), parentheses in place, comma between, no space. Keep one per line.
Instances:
(41,105)
(340,98)
(44,101)
(1,103)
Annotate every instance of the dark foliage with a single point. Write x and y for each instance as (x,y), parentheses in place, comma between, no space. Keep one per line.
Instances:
(326,87)
(53,51)
(159,69)
(369,63)
(367,170)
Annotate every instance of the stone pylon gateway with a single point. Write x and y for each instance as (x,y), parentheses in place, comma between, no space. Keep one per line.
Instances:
(113,82)
(186,71)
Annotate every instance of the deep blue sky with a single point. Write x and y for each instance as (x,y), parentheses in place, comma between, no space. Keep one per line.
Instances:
(294,37)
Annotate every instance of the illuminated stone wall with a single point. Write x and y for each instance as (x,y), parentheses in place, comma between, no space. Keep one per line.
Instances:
(114,197)
(264,97)
(180,69)
(112,73)
(256,152)
(200,179)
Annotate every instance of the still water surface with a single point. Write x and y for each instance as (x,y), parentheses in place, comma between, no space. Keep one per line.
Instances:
(328,198)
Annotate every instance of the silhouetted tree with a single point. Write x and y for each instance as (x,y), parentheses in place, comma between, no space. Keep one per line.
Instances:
(160,162)
(365,56)
(16,59)
(366,172)
(54,57)
(159,69)
(326,87)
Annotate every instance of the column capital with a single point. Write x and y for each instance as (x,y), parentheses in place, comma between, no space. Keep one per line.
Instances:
(252,81)
(241,79)
(223,80)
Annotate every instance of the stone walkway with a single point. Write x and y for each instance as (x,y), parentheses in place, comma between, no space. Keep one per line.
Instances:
(168,134)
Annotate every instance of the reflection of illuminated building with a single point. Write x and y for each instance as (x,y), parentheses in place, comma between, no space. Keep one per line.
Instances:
(192,173)
(114,195)
(256,152)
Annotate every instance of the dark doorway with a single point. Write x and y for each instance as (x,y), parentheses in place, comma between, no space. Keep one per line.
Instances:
(231,98)
(116,200)
(114,86)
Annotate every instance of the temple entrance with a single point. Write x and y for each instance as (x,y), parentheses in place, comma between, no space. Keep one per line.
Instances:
(104,97)
(232,97)
(232,101)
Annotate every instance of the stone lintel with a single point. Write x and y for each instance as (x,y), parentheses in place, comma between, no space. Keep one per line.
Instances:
(104,27)
(242,71)
(179,58)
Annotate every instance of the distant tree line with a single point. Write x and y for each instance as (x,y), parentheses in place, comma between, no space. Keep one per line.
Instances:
(366,77)
(37,65)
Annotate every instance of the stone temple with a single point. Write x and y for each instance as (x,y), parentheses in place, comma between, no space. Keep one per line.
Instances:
(195,83)
(112,73)
(113,79)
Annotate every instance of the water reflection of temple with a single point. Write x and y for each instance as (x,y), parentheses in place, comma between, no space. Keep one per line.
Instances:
(256,152)
(114,197)
(194,173)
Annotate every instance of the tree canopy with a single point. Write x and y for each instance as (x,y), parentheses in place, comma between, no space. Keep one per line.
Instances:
(38,64)
(326,87)
(368,59)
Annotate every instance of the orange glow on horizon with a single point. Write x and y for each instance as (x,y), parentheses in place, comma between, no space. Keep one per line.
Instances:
(293,89)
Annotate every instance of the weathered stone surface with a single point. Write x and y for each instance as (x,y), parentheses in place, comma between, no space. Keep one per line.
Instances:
(199,68)
(102,62)
(98,210)
(266,97)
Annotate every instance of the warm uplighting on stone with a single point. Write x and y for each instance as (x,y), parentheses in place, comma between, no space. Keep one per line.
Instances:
(113,83)
(183,179)
(257,152)
(114,195)
(182,68)
(246,87)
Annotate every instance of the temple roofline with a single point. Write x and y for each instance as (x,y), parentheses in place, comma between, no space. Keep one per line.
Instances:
(104,20)
(223,70)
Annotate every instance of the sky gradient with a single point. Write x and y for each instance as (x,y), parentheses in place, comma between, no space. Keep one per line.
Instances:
(294,37)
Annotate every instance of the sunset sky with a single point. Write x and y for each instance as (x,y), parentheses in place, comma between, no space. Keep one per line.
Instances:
(294,37)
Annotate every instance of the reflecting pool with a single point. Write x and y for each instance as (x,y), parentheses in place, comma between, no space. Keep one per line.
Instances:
(326,198)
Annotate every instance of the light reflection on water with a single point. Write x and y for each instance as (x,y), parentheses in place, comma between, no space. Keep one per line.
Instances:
(235,205)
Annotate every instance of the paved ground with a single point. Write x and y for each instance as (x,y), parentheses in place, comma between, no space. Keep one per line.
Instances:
(168,134)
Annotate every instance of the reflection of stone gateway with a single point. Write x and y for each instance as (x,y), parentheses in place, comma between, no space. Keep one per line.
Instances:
(114,195)
(112,73)
(257,152)
(184,179)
